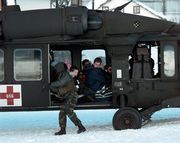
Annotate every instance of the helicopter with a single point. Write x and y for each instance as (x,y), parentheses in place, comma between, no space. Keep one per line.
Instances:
(143,53)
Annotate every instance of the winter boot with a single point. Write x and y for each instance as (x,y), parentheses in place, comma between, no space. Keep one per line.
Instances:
(61,132)
(77,122)
(81,129)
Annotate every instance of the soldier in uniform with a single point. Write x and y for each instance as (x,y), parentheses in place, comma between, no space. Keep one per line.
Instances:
(65,88)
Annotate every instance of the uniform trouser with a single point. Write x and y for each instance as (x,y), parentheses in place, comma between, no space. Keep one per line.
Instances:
(67,109)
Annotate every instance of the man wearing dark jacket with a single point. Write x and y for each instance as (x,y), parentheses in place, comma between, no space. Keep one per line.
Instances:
(96,76)
(65,88)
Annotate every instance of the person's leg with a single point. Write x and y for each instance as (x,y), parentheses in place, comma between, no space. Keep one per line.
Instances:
(72,115)
(62,122)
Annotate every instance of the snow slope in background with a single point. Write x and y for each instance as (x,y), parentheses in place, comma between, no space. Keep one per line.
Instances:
(39,127)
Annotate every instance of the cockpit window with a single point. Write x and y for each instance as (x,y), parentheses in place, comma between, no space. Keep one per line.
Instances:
(144,61)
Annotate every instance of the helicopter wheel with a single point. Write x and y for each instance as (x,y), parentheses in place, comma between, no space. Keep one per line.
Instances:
(127,118)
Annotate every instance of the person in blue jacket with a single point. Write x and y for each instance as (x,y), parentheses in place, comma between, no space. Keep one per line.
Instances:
(95,75)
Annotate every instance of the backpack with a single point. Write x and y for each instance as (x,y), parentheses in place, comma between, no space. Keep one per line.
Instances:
(69,87)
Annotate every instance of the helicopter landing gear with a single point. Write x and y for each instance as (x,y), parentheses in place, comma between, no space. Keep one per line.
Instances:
(127,118)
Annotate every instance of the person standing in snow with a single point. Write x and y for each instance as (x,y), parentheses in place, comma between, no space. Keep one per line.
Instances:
(65,88)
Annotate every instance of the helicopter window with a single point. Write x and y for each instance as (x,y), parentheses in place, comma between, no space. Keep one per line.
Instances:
(1,65)
(144,61)
(169,60)
(27,64)
(92,54)
(154,56)
(63,56)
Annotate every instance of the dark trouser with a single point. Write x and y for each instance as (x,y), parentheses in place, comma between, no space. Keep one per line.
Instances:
(68,109)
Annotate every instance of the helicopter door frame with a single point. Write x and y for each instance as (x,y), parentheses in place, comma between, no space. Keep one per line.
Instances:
(169,67)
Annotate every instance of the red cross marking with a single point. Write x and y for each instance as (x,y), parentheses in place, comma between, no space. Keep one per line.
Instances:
(10,95)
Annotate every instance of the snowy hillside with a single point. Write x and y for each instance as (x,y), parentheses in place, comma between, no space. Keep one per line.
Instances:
(39,127)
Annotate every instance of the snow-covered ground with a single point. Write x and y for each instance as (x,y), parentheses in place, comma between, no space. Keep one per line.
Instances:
(39,127)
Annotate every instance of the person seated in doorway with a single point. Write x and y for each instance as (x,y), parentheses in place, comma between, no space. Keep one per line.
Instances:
(81,88)
(108,75)
(86,64)
(96,76)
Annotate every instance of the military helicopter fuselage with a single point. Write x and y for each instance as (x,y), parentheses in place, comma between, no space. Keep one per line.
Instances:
(141,84)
